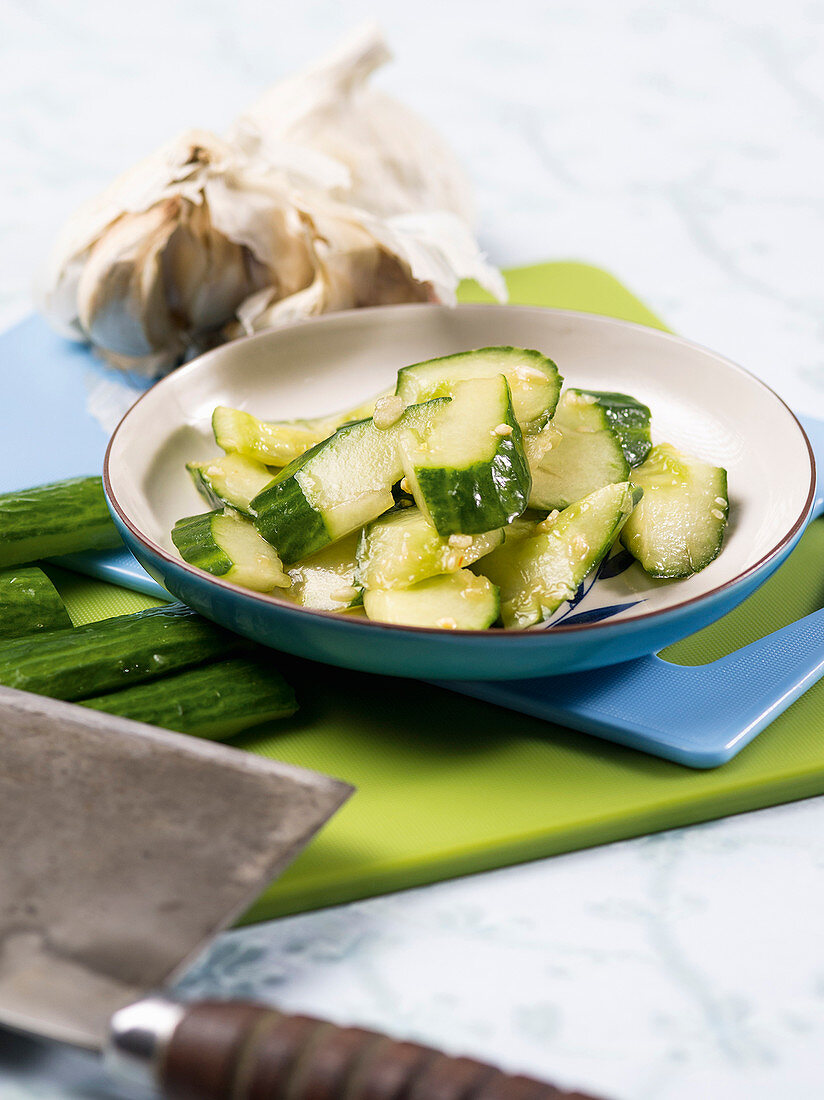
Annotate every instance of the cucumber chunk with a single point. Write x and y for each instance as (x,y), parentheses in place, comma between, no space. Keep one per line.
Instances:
(215,701)
(534,381)
(468,473)
(279,442)
(231,479)
(29,603)
(452,601)
(539,572)
(273,444)
(629,419)
(402,548)
(325,581)
(61,518)
(226,545)
(340,485)
(678,527)
(576,454)
(89,660)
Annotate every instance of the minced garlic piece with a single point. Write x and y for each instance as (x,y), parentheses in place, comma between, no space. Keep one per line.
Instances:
(580,547)
(447,623)
(388,411)
(548,523)
(344,594)
(529,374)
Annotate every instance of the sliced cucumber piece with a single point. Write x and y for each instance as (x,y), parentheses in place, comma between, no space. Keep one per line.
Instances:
(468,473)
(273,444)
(536,574)
(402,548)
(325,581)
(279,442)
(533,380)
(228,546)
(231,479)
(678,527)
(61,518)
(29,603)
(337,487)
(576,454)
(452,601)
(215,701)
(630,420)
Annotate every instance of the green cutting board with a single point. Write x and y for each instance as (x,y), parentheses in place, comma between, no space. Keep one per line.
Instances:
(448,786)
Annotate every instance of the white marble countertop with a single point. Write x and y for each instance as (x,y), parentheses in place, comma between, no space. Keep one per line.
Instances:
(680,145)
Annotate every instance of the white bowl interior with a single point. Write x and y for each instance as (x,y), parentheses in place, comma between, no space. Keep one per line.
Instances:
(700,402)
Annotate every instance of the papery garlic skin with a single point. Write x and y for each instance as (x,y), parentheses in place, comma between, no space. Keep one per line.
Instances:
(325,195)
(396,162)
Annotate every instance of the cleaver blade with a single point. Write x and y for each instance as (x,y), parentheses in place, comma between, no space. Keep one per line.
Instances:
(126,848)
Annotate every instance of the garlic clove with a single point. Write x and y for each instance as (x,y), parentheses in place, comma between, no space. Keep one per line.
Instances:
(120,302)
(205,275)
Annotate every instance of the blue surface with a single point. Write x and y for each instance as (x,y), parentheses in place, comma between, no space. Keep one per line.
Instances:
(686,714)
(49,432)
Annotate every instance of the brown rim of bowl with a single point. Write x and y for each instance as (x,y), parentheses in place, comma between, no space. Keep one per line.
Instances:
(523,635)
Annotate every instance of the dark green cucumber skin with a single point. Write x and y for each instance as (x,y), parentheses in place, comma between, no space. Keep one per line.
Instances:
(207,492)
(285,517)
(193,538)
(630,421)
(29,603)
(61,518)
(214,701)
(481,497)
(99,657)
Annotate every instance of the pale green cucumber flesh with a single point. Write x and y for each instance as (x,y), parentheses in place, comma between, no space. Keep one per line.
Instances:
(98,657)
(678,527)
(576,454)
(468,472)
(337,487)
(402,548)
(629,419)
(228,546)
(279,442)
(326,581)
(451,601)
(286,519)
(231,479)
(539,572)
(29,603)
(273,444)
(214,701)
(62,518)
(533,380)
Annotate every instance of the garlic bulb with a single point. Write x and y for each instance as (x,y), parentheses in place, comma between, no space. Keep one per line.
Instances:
(324,195)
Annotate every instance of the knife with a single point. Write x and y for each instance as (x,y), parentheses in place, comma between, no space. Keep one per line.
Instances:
(126,848)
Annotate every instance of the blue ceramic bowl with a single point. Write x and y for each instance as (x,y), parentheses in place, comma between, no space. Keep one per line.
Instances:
(700,402)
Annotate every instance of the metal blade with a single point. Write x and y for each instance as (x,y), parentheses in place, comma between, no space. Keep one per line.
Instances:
(124,849)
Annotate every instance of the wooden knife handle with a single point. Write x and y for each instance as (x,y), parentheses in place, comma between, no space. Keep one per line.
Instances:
(229,1050)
